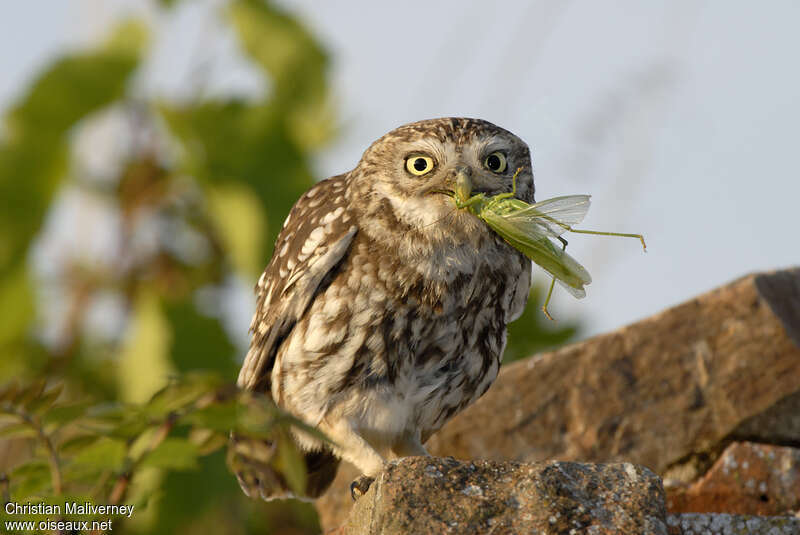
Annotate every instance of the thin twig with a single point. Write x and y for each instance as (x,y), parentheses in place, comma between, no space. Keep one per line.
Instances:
(52,455)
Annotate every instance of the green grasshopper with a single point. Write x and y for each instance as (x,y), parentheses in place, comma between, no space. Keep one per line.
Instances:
(529,228)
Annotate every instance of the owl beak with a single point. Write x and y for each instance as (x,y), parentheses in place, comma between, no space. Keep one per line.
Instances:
(463,183)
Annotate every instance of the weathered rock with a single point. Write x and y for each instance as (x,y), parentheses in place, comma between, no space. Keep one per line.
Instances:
(650,393)
(724,524)
(779,424)
(750,479)
(657,392)
(435,495)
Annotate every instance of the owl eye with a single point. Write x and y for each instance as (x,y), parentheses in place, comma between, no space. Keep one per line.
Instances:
(419,165)
(496,162)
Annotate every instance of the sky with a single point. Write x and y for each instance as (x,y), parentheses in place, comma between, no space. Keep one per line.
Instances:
(678,117)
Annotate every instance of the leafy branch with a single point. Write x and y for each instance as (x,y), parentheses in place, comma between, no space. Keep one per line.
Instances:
(96,451)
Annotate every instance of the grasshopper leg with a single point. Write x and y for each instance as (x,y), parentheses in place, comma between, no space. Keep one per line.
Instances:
(623,234)
(552,285)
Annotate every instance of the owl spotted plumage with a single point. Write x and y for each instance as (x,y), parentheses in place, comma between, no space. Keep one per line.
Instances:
(383,311)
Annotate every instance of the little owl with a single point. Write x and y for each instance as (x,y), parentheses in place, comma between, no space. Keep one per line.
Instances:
(383,310)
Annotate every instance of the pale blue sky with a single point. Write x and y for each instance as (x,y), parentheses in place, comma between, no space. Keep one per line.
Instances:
(679,117)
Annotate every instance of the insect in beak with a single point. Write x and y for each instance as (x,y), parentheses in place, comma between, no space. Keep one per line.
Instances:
(529,228)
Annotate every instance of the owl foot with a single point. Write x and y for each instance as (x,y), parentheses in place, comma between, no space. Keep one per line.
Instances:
(360,486)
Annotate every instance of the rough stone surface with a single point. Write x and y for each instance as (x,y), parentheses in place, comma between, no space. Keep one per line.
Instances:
(651,393)
(779,424)
(676,386)
(753,479)
(781,291)
(435,495)
(724,524)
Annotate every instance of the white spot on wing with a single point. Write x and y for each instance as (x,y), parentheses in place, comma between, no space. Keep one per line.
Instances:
(313,241)
(331,216)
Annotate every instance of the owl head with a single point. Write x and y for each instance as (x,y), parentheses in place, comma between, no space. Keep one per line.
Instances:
(409,170)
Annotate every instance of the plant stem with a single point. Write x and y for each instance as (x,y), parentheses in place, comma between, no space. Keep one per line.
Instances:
(52,455)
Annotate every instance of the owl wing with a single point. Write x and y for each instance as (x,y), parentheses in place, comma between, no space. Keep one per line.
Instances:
(315,238)
(521,292)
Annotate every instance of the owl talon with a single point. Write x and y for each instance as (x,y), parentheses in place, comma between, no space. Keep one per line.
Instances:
(360,486)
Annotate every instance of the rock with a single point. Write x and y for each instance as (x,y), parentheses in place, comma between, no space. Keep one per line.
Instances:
(435,495)
(724,524)
(651,393)
(752,479)
(672,388)
(779,424)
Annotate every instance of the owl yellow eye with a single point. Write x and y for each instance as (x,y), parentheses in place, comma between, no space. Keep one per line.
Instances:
(496,162)
(419,165)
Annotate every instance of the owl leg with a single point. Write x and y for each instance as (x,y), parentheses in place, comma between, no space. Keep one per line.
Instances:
(352,447)
(409,445)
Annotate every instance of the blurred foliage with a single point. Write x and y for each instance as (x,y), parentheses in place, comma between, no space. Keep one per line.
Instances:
(187,203)
(533,332)
(197,197)
(91,452)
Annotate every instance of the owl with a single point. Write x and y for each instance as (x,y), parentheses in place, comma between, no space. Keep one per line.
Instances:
(383,310)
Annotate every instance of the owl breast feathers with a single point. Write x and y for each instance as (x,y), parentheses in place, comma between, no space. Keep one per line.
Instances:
(383,310)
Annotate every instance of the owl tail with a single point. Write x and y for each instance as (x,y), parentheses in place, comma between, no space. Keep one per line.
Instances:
(252,462)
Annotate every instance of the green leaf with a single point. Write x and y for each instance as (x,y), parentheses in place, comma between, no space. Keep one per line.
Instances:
(116,420)
(65,414)
(207,441)
(255,419)
(18,430)
(77,444)
(28,479)
(129,428)
(217,417)
(31,392)
(172,454)
(175,397)
(105,454)
(291,464)
(45,400)
(111,412)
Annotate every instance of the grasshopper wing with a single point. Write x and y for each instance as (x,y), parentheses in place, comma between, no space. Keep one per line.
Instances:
(551,217)
(538,247)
